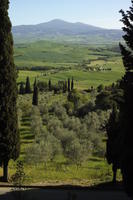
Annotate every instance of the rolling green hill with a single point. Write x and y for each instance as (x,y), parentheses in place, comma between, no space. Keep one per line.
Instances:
(88,64)
(52,54)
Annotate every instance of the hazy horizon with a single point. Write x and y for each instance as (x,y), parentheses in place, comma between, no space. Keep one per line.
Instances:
(68,22)
(104,14)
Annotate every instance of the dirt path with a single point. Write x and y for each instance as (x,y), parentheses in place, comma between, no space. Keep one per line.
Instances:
(44,194)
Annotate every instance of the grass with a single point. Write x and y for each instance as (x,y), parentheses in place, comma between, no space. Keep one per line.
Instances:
(89,173)
(52,54)
(66,60)
(83,79)
(26,136)
(94,171)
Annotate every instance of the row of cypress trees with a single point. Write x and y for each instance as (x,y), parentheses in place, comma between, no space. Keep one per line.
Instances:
(66,86)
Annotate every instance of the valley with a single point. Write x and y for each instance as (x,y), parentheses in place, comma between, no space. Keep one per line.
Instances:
(90,65)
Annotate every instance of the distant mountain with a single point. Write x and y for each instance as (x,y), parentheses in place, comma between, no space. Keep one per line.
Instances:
(60,30)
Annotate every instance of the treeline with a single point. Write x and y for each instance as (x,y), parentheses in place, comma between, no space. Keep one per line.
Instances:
(34,68)
(43,86)
(41,68)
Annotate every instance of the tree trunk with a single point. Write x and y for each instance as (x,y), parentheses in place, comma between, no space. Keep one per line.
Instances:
(5,171)
(114,173)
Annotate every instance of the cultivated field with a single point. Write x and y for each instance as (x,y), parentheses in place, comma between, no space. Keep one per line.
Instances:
(90,66)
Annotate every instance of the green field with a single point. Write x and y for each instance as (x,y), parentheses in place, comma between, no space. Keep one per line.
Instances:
(62,61)
(50,54)
(83,80)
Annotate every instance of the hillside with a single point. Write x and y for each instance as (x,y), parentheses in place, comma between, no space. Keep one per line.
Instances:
(88,64)
(59,30)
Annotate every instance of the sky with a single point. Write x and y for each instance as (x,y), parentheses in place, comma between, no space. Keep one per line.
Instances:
(102,13)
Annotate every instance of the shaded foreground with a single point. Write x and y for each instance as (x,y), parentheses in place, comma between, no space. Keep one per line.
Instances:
(39,194)
(103,192)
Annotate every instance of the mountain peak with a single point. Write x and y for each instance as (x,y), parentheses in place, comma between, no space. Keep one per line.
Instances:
(57,20)
(58,28)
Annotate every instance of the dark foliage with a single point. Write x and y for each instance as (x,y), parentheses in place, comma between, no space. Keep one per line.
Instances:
(122,138)
(27,86)
(72,84)
(111,95)
(100,88)
(35,94)
(50,85)
(43,86)
(22,88)
(65,87)
(127,106)
(9,135)
(69,85)
(113,149)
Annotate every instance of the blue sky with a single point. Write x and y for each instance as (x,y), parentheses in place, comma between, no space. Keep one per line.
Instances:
(103,13)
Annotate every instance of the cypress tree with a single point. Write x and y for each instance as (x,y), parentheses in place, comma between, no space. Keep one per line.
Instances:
(112,147)
(27,86)
(9,134)
(126,112)
(72,84)
(65,86)
(50,85)
(21,89)
(68,87)
(35,94)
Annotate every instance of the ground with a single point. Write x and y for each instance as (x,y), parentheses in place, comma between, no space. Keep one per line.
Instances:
(60,194)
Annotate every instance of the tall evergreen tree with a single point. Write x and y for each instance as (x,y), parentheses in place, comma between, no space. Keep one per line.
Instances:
(69,86)
(127,106)
(112,147)
(27,86)
(35,94)
(9,134)
(21,89)
(72,84)
(65,86)
(50,85)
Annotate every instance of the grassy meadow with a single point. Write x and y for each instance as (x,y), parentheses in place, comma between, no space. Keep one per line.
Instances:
(61,61)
